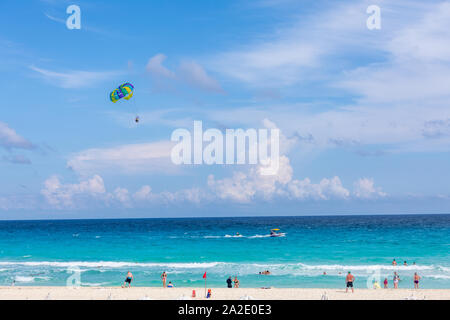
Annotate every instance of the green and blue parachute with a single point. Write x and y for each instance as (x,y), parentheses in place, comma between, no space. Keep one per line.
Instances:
(124,91)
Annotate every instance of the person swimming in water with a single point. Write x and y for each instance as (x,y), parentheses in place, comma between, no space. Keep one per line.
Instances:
(128,279)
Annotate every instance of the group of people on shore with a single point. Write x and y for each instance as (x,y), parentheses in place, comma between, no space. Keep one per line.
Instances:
(230,282)
(396,280)
(164,281)
(130,278)
(349,279)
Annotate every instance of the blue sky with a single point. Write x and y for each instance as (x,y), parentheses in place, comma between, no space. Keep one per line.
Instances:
(364,114)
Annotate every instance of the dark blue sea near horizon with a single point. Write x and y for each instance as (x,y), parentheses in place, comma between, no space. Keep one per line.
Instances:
(48,253)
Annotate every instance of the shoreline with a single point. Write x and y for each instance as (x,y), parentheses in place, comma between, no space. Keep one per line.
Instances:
(185,293)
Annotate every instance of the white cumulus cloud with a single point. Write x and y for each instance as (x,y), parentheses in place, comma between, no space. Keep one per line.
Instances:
(130,158)
(365,189)
(63,195)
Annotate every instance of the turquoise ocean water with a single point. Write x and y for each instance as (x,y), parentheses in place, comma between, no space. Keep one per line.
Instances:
(102,251)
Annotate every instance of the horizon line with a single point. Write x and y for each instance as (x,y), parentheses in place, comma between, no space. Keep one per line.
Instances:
(230,217)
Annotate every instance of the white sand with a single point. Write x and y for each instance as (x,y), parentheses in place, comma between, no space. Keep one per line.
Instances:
(136,293)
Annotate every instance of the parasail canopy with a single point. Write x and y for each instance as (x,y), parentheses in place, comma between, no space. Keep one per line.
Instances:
(124,91)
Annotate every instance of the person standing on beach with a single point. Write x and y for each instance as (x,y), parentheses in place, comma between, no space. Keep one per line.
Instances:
(396,280)
(385,283)
(164,278)
(229,281)
(236,282)
(416,280)
(349,280)
(128,279)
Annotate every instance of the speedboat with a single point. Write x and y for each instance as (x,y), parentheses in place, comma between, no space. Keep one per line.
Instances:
(274,233)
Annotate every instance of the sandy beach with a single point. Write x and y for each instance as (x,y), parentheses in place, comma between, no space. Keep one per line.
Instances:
(151,293)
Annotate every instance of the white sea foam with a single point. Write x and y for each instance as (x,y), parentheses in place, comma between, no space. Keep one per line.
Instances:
(437,276)
(266,236)
(241,236)
(260,236)
(445,269)
(24,279)
(107,264)
(277,269)
(95,284)
(188,265)
(371,267)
